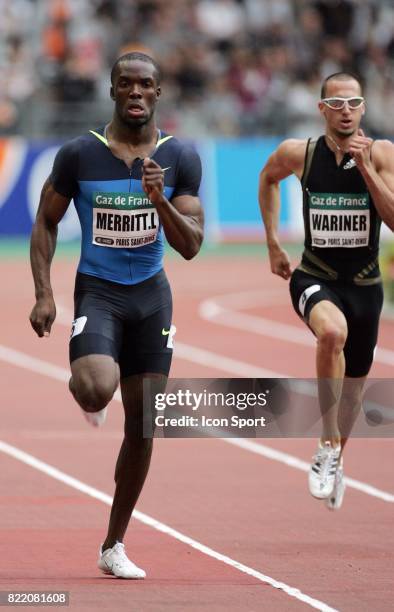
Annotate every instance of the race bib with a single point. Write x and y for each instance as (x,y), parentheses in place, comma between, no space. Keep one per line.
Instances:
(123,220)
(339,219)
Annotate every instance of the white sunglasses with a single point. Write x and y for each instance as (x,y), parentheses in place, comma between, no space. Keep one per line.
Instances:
(339,103)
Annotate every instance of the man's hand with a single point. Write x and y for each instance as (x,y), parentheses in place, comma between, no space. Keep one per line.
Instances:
(152,180)
(280,262)
(43,315)
(360,150)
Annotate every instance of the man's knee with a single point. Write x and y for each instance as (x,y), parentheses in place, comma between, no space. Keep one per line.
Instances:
(329,325)
(92,395)
(332,337)
(94,381)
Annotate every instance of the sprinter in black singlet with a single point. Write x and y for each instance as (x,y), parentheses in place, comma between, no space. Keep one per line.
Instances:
(348,188)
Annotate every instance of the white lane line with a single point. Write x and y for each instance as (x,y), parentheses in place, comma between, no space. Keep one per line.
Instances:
(183,351)
(223,310)
(33,364)
(252,299)
(39,366)
(209,310)
(240,369)
(70,481)
(47,369)
(299,464)
(384,356)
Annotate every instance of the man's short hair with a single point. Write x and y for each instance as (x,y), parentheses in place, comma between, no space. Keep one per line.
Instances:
(136,55)
(339,76)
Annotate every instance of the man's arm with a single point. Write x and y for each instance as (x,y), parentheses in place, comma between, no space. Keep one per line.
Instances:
(183,224)
(287,159)
(42,248)
(377,170)
(182,218)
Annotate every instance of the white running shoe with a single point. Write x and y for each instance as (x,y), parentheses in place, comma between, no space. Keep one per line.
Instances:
(95,418)
(114,561)
(334,501)
(323,469)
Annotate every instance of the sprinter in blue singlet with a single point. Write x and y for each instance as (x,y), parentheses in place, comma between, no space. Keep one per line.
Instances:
(131,185)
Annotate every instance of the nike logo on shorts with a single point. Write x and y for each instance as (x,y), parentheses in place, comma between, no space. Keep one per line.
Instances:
(170,333)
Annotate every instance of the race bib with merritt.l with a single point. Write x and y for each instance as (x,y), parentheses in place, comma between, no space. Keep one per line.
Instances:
(123,220)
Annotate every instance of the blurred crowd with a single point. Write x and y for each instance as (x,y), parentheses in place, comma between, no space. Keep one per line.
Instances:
(231,67)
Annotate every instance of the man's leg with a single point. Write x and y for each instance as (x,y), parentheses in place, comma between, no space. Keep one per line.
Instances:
(146,349)
(330,328)
(134,457)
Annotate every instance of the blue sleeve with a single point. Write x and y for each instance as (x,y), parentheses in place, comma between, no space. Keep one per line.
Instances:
(64,175)
(188,176)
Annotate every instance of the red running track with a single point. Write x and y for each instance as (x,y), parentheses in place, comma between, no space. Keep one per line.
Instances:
(255,510)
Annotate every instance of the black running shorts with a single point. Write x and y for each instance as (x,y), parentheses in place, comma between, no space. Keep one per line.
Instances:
(361,306)
(132,323)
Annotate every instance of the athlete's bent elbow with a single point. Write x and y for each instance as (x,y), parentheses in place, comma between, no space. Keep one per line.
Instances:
(191,249)
(266,178)
(189,255)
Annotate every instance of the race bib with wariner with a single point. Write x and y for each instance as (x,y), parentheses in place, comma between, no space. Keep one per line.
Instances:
(123,220)
(339,219)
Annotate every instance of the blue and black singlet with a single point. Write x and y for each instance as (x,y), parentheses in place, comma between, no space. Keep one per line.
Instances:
(122,238)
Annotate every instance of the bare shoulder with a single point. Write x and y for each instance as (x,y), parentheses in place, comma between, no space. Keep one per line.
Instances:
(287,159)
(291,153)
(293,147)
(383,155)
